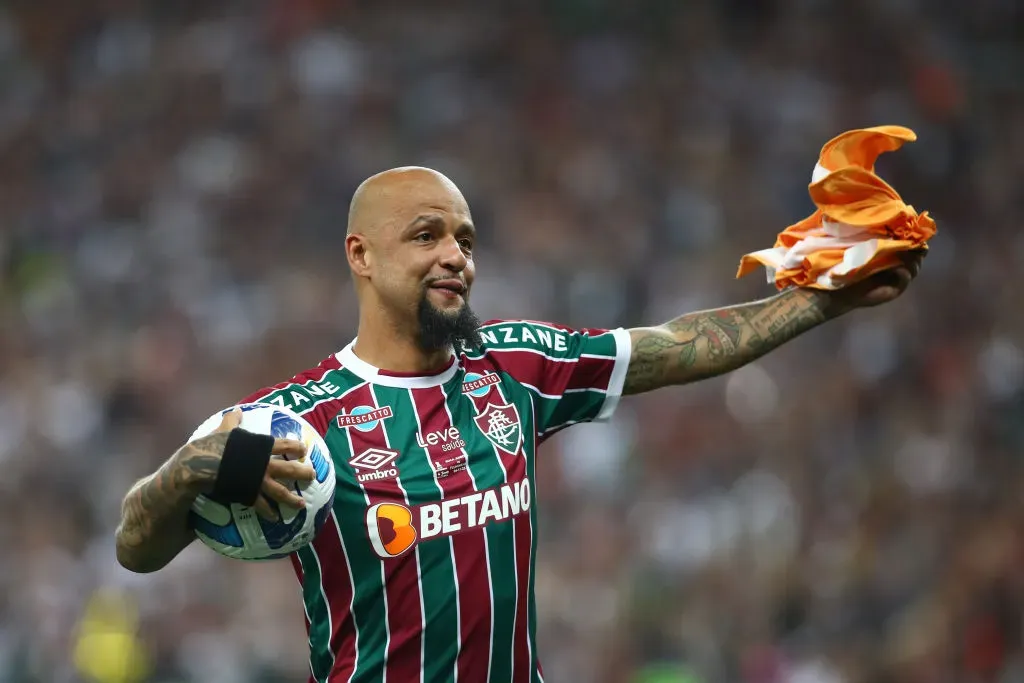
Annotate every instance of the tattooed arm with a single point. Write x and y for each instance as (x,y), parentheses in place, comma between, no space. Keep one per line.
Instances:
(154,515)
(708,343)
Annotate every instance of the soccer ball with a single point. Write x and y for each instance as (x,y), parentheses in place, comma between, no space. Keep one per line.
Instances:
(235,530)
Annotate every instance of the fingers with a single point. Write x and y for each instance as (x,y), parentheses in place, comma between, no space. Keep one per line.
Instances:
(903,276)
(913,260)
(280,493)
(265,510)
(230,420)
(290,469)
(915,264)
(290,447)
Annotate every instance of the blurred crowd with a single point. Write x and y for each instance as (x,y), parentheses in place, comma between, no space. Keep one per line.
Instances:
(174,179)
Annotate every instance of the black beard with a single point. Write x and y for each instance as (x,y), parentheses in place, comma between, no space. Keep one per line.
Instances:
(439,330)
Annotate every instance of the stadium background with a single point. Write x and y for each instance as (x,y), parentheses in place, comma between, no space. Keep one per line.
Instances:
(173,186)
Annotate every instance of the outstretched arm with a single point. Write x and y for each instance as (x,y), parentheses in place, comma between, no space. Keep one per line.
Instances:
(703,344)
(699,345)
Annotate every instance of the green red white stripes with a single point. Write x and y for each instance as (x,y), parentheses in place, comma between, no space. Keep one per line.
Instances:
(400,658)
(514,468)
(425,570)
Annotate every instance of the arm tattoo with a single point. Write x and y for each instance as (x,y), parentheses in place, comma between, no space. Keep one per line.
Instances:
(708,343)
(154,514)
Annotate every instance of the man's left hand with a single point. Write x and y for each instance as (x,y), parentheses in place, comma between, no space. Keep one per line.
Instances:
(882,287)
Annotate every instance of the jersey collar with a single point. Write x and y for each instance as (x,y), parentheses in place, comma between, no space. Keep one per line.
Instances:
(375,375)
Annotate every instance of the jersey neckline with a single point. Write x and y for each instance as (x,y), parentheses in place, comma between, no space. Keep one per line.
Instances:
(350,361)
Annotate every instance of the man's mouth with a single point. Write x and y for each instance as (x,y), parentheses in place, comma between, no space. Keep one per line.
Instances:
(451,287)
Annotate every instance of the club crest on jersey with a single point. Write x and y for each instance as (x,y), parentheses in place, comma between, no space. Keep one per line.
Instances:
(364,418)
(478,385)
(501,425)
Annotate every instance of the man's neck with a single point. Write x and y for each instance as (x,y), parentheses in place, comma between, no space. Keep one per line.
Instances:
(387,348)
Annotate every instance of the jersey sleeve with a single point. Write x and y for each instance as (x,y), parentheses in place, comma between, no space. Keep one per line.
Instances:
(574,375)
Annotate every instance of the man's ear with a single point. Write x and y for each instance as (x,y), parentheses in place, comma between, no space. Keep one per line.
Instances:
(358,253)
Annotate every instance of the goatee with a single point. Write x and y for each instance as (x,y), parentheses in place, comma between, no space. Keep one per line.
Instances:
(440,330)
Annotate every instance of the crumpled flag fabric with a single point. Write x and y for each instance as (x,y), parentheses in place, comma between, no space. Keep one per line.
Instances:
(861,224)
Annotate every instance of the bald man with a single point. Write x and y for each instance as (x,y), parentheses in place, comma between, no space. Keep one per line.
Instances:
(425,570)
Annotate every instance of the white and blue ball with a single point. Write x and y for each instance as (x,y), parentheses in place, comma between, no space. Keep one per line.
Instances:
(235,530)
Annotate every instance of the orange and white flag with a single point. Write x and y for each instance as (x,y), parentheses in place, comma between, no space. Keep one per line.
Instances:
(861,223)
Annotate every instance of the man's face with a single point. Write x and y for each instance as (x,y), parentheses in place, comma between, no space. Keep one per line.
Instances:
(424,265)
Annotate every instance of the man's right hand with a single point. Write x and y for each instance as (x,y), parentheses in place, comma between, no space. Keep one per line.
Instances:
(199,461)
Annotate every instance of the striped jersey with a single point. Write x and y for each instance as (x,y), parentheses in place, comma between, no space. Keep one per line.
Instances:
(425,569)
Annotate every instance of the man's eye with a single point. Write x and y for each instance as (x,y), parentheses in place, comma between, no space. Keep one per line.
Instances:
(466,244)
(423,237)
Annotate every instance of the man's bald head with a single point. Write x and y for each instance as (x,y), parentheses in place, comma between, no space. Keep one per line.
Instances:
(410,248)
(389,196)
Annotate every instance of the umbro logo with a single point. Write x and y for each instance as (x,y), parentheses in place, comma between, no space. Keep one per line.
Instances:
(375,463)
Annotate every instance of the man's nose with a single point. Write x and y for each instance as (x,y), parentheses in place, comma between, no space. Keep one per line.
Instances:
(452,256)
